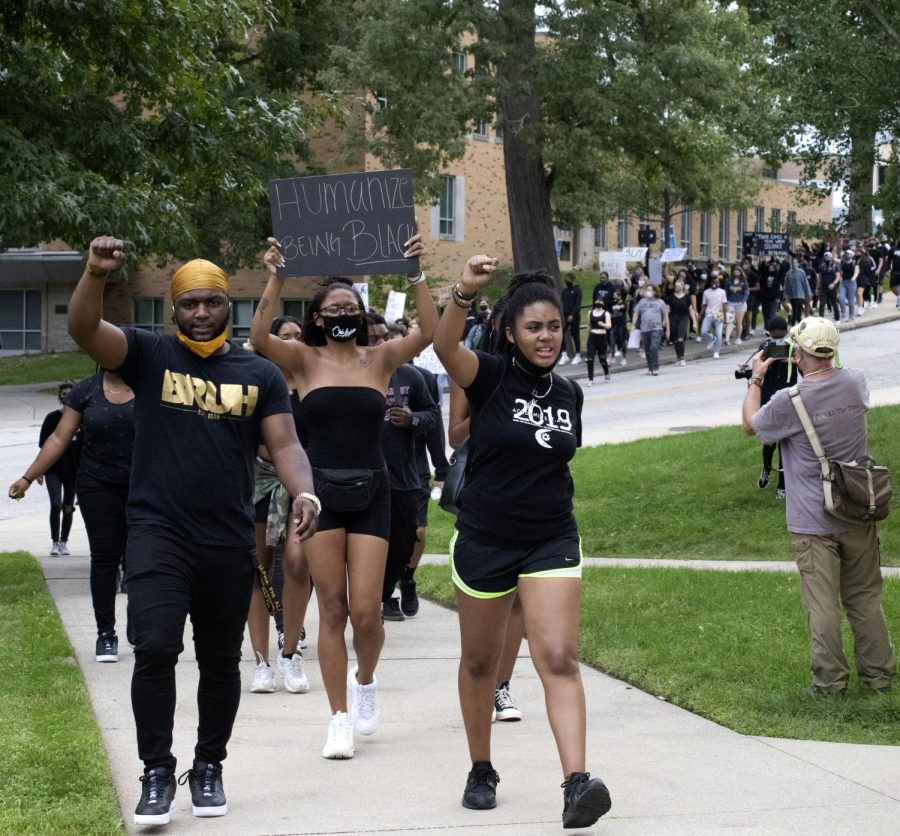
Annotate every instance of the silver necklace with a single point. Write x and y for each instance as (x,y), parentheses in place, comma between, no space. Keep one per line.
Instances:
(112,391)
(534,392)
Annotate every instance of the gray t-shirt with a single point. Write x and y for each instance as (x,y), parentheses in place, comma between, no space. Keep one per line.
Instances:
(837,406)
(651,314)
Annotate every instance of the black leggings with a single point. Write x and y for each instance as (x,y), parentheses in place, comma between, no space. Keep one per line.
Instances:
(679,326)
(598,343)
(103,508)
(828,299)
(768,456)
(168,579)
(62,504)
(620,336)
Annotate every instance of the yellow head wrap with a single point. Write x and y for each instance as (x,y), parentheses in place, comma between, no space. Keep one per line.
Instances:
(200,274)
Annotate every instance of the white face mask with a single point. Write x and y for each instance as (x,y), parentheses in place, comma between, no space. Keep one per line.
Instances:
(648,294)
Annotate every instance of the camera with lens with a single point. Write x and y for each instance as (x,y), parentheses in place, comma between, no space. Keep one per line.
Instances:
(779,350)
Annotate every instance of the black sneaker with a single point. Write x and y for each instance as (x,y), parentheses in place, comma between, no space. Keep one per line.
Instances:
(763,479)
(157,797)
(107,647)
(585,799)
(481,787)
(207,792)
(390,610)
(409,601)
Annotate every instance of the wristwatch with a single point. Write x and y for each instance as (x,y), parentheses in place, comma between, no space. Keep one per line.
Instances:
(312,498)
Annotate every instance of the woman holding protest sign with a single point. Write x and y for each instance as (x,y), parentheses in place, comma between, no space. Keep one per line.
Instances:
(341,383)
(515,531)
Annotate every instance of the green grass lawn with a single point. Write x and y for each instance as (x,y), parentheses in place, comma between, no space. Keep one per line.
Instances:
(45,368)
(56,776)
(730,646)
(691,496)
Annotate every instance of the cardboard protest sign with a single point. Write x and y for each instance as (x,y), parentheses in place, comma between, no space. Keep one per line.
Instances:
(344,224)
(396,303)
(362,288)
(674,254)
(635,253)
(429,360)
(613,263)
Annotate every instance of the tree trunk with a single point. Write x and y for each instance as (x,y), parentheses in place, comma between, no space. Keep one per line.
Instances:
(859,180)
(527,186)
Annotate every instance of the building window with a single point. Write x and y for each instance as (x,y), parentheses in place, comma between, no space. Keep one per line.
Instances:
(724,233)
(498,133)
(622,232)
(791,220)
(242,311)
(148,315)
(381,101)
(775,220)
(760,219)
(447,206)
(644,222)
(705,223)
(600,237)
(20,320)
(459,62)
(770,173)
(479,129)
(686,228)
(741,229)
(294,307)
(565,250)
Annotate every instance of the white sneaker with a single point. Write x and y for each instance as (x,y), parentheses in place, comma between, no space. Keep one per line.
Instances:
(263,678)
(63,547)
(682,362)
(294,672)
(715,355)
(339,744)
(54,549)
(590,383)
(564,359)
(751,333)
(363,703)
(623,362)
(576,359)
(738,341)
(698,339)
(617,353)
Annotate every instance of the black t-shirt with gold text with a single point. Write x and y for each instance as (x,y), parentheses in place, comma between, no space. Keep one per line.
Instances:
(197,427)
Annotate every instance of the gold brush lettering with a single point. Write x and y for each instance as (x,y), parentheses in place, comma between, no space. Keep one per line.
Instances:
(232,398)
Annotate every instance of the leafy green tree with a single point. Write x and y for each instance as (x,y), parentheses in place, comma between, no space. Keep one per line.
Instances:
(636,105)
(156,121)
(837,68)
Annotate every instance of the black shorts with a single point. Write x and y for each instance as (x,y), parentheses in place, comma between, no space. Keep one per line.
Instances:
(374,519)
(483,570)
(422,499)
(261,510)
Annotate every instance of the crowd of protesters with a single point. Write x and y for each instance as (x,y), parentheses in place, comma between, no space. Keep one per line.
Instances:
(727,304)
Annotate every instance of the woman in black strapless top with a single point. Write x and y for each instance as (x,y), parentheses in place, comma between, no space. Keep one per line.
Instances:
(342,383)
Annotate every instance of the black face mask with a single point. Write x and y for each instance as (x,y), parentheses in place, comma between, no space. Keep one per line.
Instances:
(528,367)
(342,328)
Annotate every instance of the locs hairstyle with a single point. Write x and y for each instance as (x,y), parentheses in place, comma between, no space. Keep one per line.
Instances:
(313,334)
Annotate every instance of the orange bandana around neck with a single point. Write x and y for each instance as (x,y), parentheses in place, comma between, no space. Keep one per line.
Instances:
(206,348)
(200,274)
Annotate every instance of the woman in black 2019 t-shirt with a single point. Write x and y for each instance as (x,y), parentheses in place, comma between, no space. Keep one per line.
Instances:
(515,530)
(103,406)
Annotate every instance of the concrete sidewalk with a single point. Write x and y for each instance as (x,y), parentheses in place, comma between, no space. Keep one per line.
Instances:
(669,771)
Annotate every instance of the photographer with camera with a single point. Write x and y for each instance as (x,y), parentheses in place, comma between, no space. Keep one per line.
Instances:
(839,560)
(780,375)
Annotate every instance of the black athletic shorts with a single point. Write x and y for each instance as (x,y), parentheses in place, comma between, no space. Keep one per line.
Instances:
(422,499)
(483,570)
(375,519)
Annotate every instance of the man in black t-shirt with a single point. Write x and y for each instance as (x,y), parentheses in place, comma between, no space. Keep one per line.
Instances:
(201,410)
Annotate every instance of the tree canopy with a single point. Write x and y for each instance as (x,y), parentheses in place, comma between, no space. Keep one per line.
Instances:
(159,122)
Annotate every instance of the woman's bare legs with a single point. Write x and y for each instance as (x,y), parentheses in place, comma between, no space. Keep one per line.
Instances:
(515,630)
(552,609)
(482,626)
(366,558)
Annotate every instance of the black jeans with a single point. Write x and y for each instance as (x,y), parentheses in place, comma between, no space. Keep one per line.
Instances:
(771,307)
(168,579)
(797,306)
(573,328)
(828,299)
(103,508)
(62,504)
(679,329)
(598,343)
(404,514)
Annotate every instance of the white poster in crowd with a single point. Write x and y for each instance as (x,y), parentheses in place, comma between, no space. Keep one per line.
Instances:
(429,360)
(362,288)
(655,268)
(612,262)
(674,254)
(394,308)
(635,253)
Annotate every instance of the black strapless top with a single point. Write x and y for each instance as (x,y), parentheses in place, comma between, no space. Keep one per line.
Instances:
(342,425)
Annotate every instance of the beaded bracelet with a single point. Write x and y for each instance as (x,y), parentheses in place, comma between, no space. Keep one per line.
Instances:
(460,298)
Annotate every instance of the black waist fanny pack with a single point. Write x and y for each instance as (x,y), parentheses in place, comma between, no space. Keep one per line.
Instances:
(339,489)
